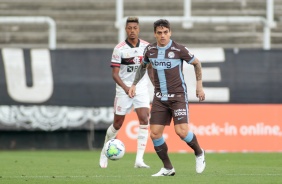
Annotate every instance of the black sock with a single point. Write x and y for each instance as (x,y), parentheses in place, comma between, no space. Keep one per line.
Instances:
(195,146)
(162,153)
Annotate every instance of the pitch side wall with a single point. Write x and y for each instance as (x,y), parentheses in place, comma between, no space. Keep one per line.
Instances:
(60,91)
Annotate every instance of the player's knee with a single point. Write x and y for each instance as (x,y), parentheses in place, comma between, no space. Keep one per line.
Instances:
(144,120)
(118,124)
(154,136)
(181,133)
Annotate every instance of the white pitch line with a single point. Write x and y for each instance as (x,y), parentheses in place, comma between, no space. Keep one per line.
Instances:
(265,174)
(128,176)
(92,176)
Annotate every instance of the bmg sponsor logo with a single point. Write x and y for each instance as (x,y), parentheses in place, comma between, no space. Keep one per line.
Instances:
(161,63)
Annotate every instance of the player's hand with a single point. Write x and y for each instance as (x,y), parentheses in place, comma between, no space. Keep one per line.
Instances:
(126,89)
(200,94)
(131,92)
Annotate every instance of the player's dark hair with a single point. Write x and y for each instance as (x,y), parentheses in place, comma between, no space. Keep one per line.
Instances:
(132,19)
(161,23)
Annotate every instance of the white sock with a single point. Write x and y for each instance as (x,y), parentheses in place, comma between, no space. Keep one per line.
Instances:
(111,133)
(141,142)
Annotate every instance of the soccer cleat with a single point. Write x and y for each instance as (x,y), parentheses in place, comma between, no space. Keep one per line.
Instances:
(200,162)
(141,165)
(165,172)
(103,159)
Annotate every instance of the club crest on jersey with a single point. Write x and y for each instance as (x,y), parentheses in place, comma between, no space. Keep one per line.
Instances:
(137,60)
(171,54)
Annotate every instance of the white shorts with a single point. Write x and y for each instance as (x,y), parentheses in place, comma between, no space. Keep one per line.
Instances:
(123,104)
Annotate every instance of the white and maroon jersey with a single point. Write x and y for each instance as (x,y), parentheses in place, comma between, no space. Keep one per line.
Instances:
(128,59)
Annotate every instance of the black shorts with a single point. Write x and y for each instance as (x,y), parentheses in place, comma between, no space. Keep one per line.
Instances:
(163,112)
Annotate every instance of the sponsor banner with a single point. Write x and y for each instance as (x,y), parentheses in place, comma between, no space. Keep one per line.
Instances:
(220,128)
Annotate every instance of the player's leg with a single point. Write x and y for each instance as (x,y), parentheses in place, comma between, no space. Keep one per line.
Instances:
(190,138)
(142,137)
(121,106)
(180,117)
(111,133)
(160,117)
(161,149)
(113,129)
(141,103)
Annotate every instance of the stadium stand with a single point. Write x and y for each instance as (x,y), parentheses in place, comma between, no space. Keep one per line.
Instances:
(90,23)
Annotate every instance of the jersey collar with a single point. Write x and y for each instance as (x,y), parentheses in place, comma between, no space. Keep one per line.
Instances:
(137,45)
(165,47)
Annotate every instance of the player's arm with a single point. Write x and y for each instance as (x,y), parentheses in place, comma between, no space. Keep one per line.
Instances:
(140,72)
(117,79)
(199,83)
(150,73)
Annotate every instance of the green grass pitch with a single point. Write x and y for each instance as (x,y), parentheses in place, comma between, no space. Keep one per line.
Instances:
(82,167)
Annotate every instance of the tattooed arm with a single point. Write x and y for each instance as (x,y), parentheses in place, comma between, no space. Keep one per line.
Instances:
(141,70)
(198,72)
(150,73)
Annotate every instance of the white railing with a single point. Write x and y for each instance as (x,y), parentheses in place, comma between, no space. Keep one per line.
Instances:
(34,20)
(187,20)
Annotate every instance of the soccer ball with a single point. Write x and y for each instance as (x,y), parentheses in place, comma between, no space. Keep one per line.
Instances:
(114,149)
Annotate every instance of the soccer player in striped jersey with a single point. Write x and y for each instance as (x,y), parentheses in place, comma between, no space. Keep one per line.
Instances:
(126,58)
(170,99)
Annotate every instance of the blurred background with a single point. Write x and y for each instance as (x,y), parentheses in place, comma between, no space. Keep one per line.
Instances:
(91,23)
(56,89)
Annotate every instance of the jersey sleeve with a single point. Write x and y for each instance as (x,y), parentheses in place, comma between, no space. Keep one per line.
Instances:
(186,55)
(145,56)
(116,58)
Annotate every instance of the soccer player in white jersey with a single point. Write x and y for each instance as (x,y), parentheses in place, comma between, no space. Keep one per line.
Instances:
(126,58)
